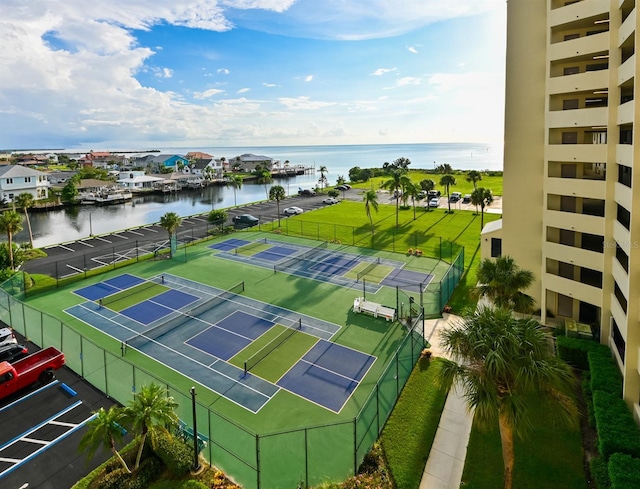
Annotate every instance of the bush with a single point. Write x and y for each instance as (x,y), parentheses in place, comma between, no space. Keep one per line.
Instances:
(599,473)
(605,375)
(117,479)
(191,484)
(149,470)
(624,471)
(176,455)
(588,398)
(574,351)
(617,431)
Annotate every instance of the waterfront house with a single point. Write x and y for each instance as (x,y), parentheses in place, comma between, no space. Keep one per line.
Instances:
(18,179)
(248,162)
(57,177)
(167,163)
(137,181)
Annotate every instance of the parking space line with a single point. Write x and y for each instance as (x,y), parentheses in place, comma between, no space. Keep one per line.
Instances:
(152,230)
(103,239)
(119,236)
(79,270)
(66,248)
(135,232)
(85,243)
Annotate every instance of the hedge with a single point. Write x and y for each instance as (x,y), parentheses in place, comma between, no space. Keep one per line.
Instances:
(617,431)
(574,351)
(176,455)
(624,471)
(605,375)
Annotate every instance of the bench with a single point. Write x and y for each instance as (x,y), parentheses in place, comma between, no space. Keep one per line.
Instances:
(361,305)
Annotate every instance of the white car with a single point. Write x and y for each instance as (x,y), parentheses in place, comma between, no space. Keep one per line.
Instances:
(292,211)
(330,200)
(7,337)
(434,202)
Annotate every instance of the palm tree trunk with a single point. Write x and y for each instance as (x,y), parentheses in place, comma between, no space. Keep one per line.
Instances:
(26,215)
(506,437)
(278,204)
(143,438)
(10,240)
(116,453)
(481,217)
(397,209)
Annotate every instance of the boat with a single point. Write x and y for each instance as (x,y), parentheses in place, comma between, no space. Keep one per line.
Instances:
(105,196)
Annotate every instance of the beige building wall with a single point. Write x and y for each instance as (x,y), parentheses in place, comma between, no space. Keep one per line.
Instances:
(571,206)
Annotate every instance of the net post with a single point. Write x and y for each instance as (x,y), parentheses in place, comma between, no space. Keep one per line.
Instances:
(300,323)
(245,368)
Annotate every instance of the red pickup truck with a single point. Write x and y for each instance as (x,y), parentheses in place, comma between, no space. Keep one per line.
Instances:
(36,367)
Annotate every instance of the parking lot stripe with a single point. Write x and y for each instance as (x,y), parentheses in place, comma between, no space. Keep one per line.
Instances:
(85,243)
(66,248)
(119,236)
(135,232)
(31,394)
(103,239)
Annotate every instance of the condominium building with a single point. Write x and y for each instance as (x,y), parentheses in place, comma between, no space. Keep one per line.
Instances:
(571,204)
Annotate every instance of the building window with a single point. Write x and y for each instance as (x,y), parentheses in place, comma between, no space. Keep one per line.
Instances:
(591,277)
(565,306)
(624,175)
(618,340)
(626,136)
(622,258)
(622,300)
(9,180)
(624,217)
(27,179)
(496,247)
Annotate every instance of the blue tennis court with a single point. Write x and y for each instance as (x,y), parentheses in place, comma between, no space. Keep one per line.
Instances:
(328,374)
(146,312)
(124,281)
(335,265)
(175,299)
(407,280)
(229,244)
(108,287)
(275,253)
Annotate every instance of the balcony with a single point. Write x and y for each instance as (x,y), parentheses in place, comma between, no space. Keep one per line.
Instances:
(626,113)
(596,116)
(583,46)
(573,255)
(623,195)
(575,222)
(595,189)
(626,70)
(572,288)
(586,153)
(587,81)
(627,28)
(578,11)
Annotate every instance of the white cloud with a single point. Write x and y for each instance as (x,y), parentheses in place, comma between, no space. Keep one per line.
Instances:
(165,73)
(207,93)
(223,71)
(412,49)
(308,78)
(304,103)
(269,85)
(383,71)
(243,90)
(408,80)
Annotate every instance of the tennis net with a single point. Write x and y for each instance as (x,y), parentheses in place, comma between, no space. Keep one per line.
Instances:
(367,269)
(156,332)
(261,354)
(307,255)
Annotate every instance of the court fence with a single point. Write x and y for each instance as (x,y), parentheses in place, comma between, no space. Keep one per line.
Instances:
(297,458)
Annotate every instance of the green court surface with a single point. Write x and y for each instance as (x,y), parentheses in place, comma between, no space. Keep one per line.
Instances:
(323,454)
(127,298)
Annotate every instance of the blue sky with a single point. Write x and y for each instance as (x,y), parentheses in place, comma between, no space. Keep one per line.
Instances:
(122,74)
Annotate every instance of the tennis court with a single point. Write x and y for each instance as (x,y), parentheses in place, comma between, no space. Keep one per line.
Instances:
(322,263)
(196,329)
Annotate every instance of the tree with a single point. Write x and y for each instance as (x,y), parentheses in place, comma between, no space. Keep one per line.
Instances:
(234,181)
(447,181)
(19,257)
(401,164)
(25,201)
(70,191)
(397,181)
(445,168)
(104,430)
(427,185)
(413,191)
(354,174)
(502,281)
(218,217)
(340,180)
(370,202)
(264,178)
(277,193)
(481,197)
(474,176)
(170,222)
(501,363)
(333,193)
(10,223)
(149,408)
(323,177)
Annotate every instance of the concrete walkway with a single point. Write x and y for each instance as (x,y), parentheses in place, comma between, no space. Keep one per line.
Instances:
(446,459)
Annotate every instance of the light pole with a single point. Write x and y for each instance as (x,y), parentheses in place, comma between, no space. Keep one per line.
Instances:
(196,462)
(90,225)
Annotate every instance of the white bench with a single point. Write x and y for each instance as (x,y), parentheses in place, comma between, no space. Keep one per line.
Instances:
(373,308)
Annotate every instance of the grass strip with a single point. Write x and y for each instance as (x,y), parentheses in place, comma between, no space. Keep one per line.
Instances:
(134,295)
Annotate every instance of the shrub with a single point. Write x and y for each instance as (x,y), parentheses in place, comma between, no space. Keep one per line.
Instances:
(605,375)
(117,479)
(176,455)
(191,484)
(574,350)
(149,470)
(617,431)
(599,473)
(624,471)
(588,398)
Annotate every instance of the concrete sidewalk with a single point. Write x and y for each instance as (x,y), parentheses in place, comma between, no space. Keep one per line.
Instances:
(446,458)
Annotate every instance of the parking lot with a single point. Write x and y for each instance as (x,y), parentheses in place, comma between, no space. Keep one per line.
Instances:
(40,429)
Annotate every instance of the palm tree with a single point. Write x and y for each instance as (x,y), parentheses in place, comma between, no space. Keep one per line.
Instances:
(370,202)
(323,179)
(445,168)
(502,281)
(104,430)
(501,363)
(10,223)
(447,181)
(234,181)
(397,181)
(413,191)
(277,193)
(264,178)
(474,176)
(427,185)
(481,197)
(149,408)
(25,201)
(170,222)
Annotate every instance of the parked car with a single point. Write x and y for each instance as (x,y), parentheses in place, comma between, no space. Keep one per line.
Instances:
(306,192)
(422,194)
(433,193)
(434,202)
(455,196)
(330,201)
(37,367)
(292,211)
(13,353)
(245,220)
(466,199)
(7,337)
(343,187)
